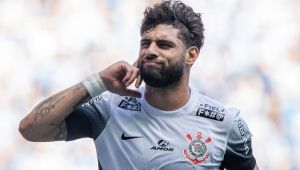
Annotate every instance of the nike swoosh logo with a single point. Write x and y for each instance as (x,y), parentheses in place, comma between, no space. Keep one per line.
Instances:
(123,137)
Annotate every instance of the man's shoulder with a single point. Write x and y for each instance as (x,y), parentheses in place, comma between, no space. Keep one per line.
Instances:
(209,103)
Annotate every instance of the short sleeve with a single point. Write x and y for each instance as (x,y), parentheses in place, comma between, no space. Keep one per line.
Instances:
(238,153)
(88,120)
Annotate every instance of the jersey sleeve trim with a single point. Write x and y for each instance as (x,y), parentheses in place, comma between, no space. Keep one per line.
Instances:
(238,153)
(84,122)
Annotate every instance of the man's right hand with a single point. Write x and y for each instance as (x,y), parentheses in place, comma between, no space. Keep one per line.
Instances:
(119,76)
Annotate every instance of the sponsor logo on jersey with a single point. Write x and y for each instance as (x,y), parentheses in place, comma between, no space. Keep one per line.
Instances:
(162,146)
(241,128)
(197,151)
(130,103)
(94,100)
(210,114)
(210,107)
(123,137)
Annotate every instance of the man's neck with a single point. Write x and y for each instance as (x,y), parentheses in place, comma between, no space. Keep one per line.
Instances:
(169,98)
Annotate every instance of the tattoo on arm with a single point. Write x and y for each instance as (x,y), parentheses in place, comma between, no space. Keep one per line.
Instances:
(77,87)
(62,134)
(256,167)
(44,108)
(84,99)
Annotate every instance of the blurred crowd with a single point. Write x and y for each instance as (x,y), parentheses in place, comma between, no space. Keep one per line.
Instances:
(250,60)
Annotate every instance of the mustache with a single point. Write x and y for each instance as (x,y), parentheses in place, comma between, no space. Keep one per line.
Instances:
(152,60)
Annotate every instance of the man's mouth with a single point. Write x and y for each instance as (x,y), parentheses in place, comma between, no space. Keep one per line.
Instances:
(151,63)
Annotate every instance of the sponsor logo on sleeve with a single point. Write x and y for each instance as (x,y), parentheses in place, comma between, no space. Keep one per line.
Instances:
(243,135)
(130,103)
(197,151)
(94,100)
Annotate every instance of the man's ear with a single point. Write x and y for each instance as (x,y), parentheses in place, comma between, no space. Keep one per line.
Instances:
(192,55)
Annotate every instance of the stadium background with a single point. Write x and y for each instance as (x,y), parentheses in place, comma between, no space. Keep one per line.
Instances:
(250,60)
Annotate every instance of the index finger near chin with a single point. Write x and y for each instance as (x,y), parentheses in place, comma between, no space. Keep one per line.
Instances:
(138,81)
(135,64)
(124,66)
(133,76)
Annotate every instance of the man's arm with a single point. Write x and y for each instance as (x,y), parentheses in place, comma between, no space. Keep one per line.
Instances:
(46,121)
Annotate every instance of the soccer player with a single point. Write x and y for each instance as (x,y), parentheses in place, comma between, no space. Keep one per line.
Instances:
(164,125)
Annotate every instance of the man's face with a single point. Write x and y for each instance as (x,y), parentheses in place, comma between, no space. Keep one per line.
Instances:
(162,56)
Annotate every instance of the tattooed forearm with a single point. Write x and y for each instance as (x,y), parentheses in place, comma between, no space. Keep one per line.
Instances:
(77,87)
(44,108)
(256,167)
(62,134)
(84,99)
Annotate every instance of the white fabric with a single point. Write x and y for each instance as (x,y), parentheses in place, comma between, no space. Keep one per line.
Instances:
(154,125)
(94,85)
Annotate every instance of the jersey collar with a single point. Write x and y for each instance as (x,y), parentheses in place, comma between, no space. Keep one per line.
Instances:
(154,112)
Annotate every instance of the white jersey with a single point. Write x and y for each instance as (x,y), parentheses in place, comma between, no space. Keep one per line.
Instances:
(131,134)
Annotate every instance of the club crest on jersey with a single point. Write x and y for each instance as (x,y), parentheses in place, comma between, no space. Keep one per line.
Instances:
(197,151)
(130,103)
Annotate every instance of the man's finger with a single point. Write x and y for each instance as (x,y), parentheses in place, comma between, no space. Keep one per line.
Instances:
(133,77)
(127,76)
(135,64)
(138,81)
(139,78)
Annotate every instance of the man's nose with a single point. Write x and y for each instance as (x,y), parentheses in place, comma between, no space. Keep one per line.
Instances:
(152,51)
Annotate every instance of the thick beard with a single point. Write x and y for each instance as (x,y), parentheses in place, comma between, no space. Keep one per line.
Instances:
(165,76)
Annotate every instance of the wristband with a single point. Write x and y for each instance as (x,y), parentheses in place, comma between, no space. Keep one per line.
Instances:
(94,85)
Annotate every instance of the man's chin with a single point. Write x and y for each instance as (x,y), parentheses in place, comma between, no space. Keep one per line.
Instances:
(157,84)
(152,72)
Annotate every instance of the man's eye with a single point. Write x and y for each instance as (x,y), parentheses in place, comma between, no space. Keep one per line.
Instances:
(165,45)
(145,44)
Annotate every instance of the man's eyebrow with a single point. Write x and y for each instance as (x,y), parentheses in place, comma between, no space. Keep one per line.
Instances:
(159,41)
(165,42)
(145,40)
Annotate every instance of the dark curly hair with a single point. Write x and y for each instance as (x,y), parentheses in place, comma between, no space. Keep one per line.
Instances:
(178,15)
